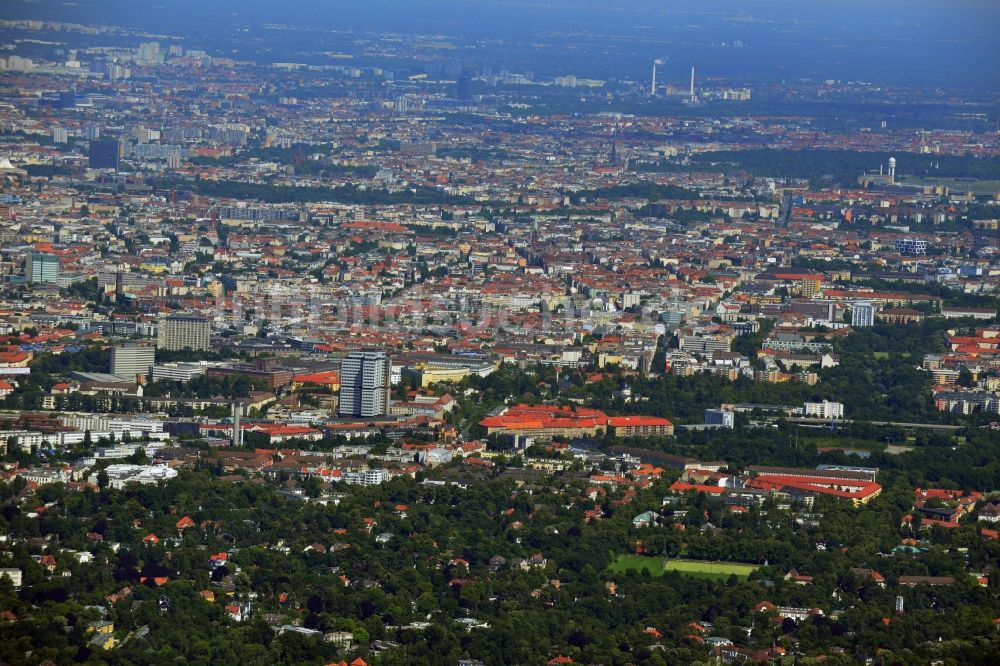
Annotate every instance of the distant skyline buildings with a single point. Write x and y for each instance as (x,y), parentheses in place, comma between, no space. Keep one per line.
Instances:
(748,42)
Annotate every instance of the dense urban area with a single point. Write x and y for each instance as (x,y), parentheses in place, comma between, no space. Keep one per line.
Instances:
(372,353)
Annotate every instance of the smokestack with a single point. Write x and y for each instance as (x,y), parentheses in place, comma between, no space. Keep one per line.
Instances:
(237,433)
(652,87)
(692,84)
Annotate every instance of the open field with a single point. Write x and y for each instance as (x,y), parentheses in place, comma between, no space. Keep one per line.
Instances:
(636,563)
(706,569)
(959,184)
(656,566)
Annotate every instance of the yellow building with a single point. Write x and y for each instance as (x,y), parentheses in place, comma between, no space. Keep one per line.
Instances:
(810,286)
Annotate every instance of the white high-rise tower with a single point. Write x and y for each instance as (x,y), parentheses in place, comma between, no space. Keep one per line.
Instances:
(365,382)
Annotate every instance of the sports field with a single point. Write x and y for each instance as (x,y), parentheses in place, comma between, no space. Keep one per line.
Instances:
(656,566)
(706,569)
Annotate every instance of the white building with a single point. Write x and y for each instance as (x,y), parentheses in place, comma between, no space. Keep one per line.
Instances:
(178,372)
(179,332)
(130,360)
(824,410)
(435,456)
(720,417)
(368,477)
(365,384)
(13,574)
(119,475)
(862,315)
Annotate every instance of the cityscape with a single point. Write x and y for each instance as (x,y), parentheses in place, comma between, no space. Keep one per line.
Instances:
(500,332)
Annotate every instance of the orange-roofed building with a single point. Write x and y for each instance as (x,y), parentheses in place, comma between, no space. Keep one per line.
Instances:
(640,426)
(329,379)
(15,359)
(546,422)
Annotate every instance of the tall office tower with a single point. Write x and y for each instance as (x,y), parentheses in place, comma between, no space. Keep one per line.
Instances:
(463,88)
(862,315)
(39,268)
(130,360)
(105,153)
(178,332)
(365,384)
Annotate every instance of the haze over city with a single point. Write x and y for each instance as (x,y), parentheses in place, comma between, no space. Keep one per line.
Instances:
(499,332)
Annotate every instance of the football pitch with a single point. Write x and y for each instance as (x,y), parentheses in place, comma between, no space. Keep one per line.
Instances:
(657,566)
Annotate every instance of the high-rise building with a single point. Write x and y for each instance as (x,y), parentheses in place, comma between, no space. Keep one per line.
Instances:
(40,268)
(178,332)
(149,54)
(463,88)
(365,382)
(60,135)
(130,360)
(105,153)
(862,315)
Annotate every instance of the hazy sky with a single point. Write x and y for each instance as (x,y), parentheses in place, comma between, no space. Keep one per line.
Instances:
(944,41)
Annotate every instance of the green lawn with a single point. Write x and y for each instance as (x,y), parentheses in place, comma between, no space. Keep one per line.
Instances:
(624,563)
(656,566)
(882,355)
(706,569)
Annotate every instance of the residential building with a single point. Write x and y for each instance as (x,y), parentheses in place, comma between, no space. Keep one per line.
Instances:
(129,361)
(13,574)
(365,384)
(640,426)
(862,315)
(824,410)
(178,332)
